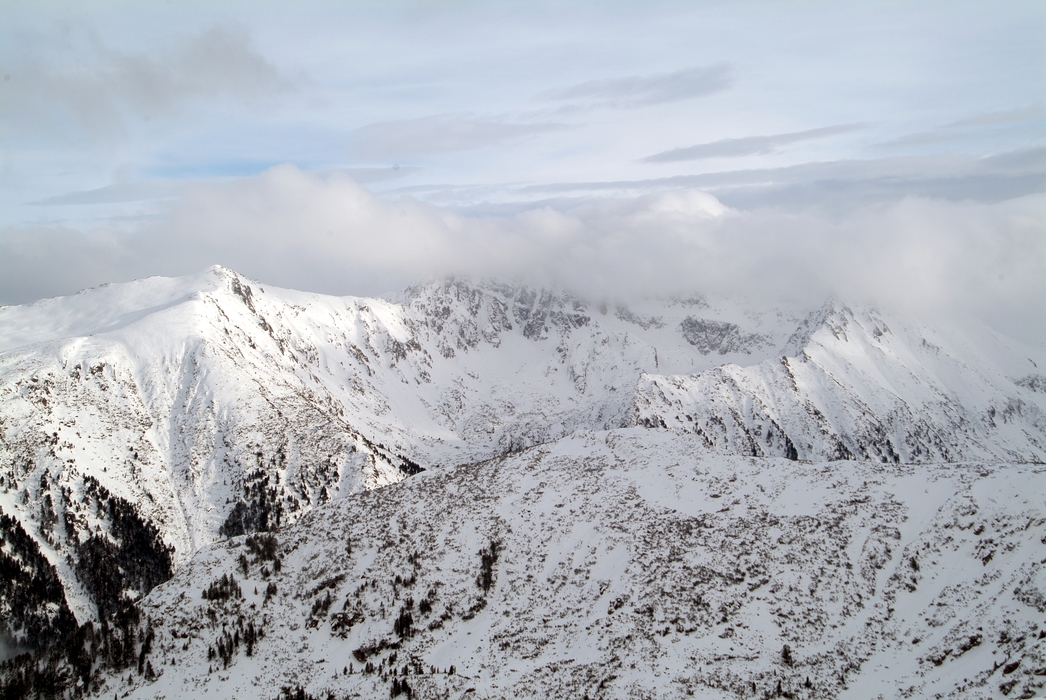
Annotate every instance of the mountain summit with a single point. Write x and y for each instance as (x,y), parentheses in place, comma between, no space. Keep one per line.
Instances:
(142,423)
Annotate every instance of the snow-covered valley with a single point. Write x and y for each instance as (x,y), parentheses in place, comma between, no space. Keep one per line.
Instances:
(620,501)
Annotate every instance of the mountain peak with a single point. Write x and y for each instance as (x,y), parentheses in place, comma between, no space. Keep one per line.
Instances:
(144,422)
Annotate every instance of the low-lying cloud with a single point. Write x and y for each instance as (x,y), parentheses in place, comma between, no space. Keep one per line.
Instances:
(326,233)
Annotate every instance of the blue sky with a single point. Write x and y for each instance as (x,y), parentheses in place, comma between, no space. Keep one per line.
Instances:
(547,132)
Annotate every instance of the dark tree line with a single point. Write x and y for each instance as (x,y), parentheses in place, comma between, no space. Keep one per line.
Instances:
(75,663)
(259,511)
(298,693)
(64,657)
(263,547)
(228,642)
(29,590)
(135,557)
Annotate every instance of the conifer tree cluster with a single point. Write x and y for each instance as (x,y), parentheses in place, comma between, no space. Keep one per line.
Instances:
(116,565)
(74,666)
(32,601)
(488,558)
(223,589)
(228,642)
(259,511)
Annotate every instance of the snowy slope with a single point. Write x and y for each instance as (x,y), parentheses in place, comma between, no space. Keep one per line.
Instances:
(856,384)
(629,563)
(212,405)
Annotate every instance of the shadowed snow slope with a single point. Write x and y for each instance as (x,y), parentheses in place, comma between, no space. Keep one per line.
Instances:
(628,563)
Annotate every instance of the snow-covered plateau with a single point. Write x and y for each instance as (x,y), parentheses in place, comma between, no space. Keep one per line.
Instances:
(210,486)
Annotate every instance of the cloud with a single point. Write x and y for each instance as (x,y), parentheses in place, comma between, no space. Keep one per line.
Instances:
(1026,160)
(367,175)
(117,193)
(839,185)
(326,233)
(1009,116)
(1020,121)
(640,90)
(924,138)
(748,145)
(846,185)
(38,262)
(438,134)
(163,188)
(74,85)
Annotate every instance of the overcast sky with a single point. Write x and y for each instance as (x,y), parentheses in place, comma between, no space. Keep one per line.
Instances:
(888,151)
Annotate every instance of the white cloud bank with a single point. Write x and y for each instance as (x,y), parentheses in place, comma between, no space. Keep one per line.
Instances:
(326,233)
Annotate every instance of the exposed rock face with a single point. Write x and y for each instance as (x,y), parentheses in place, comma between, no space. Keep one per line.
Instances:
(719,337)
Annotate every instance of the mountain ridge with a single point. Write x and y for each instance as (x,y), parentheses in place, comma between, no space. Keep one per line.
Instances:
(214,406)
(892,395)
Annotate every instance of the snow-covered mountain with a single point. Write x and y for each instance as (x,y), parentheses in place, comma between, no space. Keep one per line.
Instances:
(625,563)
(852,384)
(210,406)
(144,421)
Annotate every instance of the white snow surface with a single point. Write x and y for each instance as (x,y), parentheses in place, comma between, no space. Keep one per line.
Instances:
(634,563)
(679,487)
(178,394)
